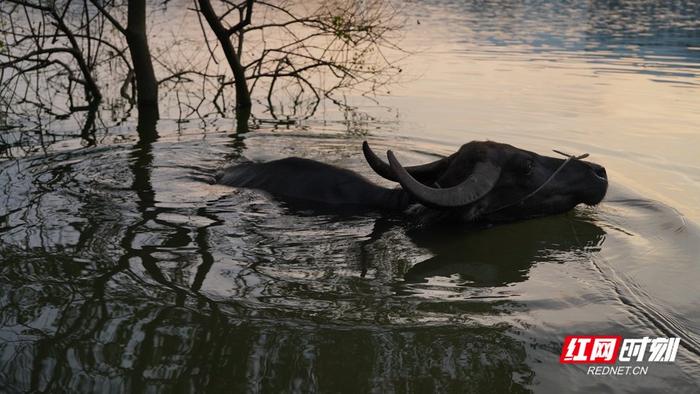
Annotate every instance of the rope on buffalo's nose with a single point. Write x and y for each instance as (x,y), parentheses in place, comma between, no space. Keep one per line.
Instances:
(568,159)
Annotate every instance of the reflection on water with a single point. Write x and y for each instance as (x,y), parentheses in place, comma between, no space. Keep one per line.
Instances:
(504,254)
(122,269)
(108,296)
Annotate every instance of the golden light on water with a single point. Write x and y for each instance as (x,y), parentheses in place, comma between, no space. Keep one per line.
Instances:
(635,109)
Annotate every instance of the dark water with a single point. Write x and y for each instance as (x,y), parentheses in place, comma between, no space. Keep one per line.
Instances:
(121,270)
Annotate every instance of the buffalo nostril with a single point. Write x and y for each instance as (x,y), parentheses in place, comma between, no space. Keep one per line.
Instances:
(600,172)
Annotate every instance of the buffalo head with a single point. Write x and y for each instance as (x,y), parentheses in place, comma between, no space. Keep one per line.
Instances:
(493,182)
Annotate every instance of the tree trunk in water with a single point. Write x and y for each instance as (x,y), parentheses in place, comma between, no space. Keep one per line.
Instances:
(243,103)
(242,117)
(146,83)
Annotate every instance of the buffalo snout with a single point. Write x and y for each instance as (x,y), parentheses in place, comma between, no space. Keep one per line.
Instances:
(596,185)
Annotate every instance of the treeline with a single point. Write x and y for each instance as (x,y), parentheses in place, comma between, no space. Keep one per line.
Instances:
(66,57)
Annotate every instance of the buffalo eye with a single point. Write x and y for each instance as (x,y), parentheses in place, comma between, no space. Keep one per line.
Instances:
(528,167)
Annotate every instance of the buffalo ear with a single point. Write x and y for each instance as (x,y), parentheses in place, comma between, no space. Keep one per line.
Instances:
(426,173)
(482,179)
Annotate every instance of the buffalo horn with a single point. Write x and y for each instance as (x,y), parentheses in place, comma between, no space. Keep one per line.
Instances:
(480,182)
(425,172)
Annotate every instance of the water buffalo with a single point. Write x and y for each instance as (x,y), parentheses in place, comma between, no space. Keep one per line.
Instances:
(483,181)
